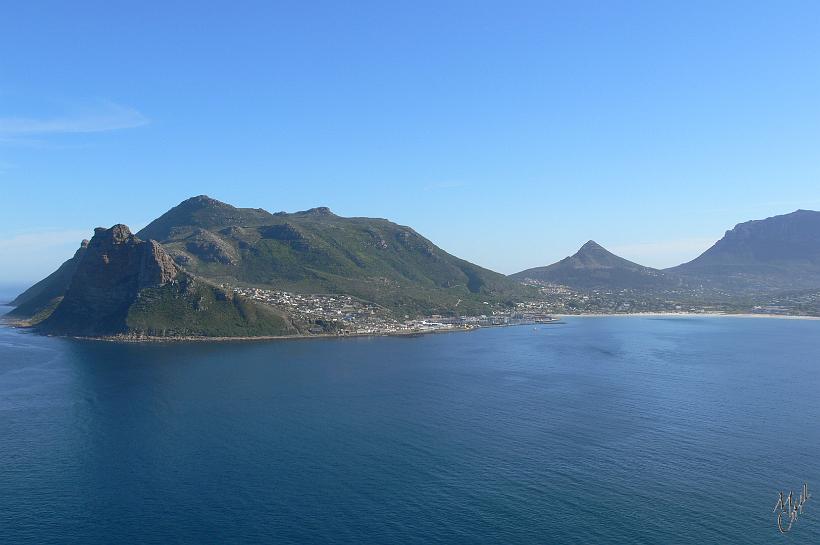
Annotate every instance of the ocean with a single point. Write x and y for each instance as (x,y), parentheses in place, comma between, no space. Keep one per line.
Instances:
(668,430)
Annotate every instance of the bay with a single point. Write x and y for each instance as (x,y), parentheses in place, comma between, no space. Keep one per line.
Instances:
(599,430)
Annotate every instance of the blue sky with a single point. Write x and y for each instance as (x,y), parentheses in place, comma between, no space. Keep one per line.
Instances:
(509,133)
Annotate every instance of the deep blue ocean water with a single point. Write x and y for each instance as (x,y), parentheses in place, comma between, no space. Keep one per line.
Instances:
(601,430)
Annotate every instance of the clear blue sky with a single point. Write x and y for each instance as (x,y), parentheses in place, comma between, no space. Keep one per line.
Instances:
(509,133)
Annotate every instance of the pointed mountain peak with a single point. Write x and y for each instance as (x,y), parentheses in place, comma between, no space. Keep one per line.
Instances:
(591,251)
(593,266)
(593,256)
(591,245)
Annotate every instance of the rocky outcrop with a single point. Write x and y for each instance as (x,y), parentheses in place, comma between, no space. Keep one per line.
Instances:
(281,231)
(286,233)
(157,267)
(125,286)
(242,237)
(115,266)
(209,247)
(318,211)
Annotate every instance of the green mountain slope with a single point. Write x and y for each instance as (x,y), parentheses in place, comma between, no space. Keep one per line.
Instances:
(316,251)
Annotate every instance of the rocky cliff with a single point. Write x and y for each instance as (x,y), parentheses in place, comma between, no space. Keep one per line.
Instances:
(114,268)
(776,253)
(123,285)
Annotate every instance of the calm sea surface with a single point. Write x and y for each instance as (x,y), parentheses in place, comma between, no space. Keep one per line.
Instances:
(602,430)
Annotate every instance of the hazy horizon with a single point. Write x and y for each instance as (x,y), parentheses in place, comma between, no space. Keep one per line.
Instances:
(508,135)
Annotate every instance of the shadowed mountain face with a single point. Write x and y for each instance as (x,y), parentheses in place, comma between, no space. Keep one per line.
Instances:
(316,251)
(124,285)
(115,266)
(593,266)
(777,253)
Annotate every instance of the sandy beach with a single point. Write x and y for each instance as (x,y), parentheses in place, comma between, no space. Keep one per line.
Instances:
(689,315)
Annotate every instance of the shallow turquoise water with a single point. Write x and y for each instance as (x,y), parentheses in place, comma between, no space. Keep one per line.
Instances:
(602,430)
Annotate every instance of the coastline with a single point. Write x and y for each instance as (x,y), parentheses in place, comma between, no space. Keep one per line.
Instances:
(406,334)
(409,334)
(689,315)
(191,338)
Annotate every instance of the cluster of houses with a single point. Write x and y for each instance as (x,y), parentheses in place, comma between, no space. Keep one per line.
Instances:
(347,315)
(341,314)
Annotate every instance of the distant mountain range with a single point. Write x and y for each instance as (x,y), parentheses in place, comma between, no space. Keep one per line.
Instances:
(179,275)
(761,256)
(781,252)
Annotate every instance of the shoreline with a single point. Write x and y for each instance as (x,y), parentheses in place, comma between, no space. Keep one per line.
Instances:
(689,315)
(406,334)
(197,339)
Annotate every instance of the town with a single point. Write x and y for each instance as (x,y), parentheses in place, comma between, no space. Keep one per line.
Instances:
(338,314)
(562,300)
(347,315)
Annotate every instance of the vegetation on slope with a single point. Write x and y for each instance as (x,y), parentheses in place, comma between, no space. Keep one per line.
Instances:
(316,251)
(192,308)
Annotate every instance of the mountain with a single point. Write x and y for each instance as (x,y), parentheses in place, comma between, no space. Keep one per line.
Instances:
(205,213)
(756,257)
(316,251)
(175,276)
(184,273)
(124,285)
(593,266)
(776,253)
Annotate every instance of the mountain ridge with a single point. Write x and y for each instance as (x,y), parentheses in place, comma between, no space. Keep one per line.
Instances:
(318,251)
(778,252)
(216,247)
(207,268)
